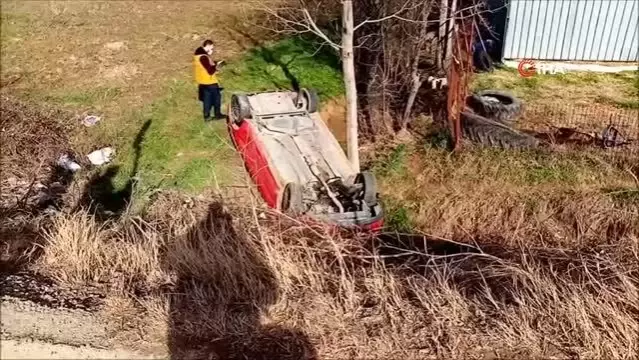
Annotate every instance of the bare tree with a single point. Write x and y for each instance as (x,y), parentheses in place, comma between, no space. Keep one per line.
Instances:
(348,68)
(417,78)
(393,46)
(299,20)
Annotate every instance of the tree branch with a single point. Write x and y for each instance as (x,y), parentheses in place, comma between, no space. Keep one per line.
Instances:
(315,30)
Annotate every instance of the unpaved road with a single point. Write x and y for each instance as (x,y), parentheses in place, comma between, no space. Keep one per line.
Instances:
(35,349)
(32,331)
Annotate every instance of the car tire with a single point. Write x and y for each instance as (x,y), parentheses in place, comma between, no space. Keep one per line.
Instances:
(292,200)
(491,133)
(308,100)
(369,183)
(495,105)
(240,108)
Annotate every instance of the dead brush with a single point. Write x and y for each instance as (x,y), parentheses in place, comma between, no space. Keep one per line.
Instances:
(571,201)
(32,136)
(225,282)
(79,250)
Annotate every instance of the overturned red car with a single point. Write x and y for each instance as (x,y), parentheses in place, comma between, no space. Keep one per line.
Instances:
(296,162)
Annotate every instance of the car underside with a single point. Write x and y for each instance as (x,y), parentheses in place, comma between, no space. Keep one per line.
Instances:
(314,176)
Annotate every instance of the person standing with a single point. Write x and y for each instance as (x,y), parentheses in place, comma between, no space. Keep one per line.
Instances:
(205,71)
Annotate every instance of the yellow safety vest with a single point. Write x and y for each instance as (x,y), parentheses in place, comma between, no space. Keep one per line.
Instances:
(201,75)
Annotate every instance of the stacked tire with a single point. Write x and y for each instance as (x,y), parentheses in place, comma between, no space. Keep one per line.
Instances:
(489,121)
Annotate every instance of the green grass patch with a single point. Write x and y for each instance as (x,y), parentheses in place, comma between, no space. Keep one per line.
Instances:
(623,104)
(541,167)
(523,168)
(392,164)
(283,65)
(398,217)
(571,85)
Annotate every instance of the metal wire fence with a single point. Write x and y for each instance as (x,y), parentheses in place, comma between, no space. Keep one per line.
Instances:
(591,124)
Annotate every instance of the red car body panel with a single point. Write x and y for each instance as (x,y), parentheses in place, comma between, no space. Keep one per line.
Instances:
(256,163)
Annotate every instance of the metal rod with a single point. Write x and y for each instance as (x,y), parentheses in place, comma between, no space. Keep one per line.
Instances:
(519,40)
(550,32)
(572,33)
(632,41)
(506,37)
(528,38)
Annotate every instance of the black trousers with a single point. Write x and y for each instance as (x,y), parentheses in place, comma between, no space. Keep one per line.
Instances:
(211,97)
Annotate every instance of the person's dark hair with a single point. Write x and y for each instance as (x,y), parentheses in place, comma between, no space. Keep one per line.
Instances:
(207,42)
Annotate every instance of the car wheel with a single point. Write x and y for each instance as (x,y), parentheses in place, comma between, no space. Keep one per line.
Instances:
(369,183)
(292,202)
(307,100)
(240,108)
(496,105)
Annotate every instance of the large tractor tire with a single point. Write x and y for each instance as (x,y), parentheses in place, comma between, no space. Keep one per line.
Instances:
(494,134)
(496,105)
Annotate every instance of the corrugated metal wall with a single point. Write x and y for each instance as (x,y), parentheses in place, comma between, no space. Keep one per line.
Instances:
(590,30)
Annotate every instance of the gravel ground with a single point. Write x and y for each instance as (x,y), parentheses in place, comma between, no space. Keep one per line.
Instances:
(34,349)
(26,319)
(41,321)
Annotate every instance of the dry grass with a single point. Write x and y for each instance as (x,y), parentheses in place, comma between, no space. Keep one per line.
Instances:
(32,138)
(131,46)
(78,251)
(110,58)
(228,287)
(557,199)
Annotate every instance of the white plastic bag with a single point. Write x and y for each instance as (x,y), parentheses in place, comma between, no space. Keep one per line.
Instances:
(102,156)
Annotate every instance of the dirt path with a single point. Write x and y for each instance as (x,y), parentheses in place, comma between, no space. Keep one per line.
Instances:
(35,349)
(32,331)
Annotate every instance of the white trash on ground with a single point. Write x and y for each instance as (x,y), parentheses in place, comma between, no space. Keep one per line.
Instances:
(65,162)
(102,156)
(91,120)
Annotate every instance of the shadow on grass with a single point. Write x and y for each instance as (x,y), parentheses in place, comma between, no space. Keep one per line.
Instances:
(294,56)
(270,57)
(100,194)
(224,285)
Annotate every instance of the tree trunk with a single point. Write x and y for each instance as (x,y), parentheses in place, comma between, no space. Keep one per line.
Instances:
(416,76)
(417,83)
(348,68)
(443,10)
(451,30)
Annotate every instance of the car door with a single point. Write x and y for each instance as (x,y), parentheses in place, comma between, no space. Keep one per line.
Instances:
(247,142)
